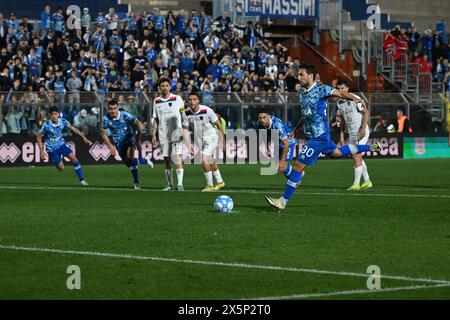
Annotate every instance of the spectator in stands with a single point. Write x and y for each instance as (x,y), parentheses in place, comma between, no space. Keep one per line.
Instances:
(403,124)
(425,65)
(13,117)
(3,30)
(92,121)
(438,48)
(74,86)
(427,43)
(80,119)
(381,125)
(46,18)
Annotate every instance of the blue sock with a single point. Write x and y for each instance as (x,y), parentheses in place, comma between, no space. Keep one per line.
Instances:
(78,170)
(294,179)
(134,170)
(142,160)
(288,171)
(345,151)
(363,148)
(348,150)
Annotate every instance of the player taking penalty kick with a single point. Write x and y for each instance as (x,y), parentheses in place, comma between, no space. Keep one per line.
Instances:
(313,109)
(201,119)
(355,122)
(55,144)
(122,126)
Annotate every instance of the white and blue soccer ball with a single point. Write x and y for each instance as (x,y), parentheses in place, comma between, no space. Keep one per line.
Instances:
(224,204)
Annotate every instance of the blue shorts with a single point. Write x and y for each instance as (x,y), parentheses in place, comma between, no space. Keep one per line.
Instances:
(57,154)
(290,154)
(313,148)
(122,147)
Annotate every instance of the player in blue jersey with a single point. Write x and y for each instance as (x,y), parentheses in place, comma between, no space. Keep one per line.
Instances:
(55,145)
(286,143)
(122,127)
(313,109)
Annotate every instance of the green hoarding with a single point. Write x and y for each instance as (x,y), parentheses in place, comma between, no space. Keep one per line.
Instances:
(428,147)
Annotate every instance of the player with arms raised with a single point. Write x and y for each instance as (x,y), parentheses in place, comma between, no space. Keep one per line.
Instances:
(122,126)
(55,145)
(201,119)
(313,109)
(355,118)
(170,127)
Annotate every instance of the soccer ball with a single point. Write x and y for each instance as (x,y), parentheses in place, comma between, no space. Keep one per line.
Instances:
(224,204)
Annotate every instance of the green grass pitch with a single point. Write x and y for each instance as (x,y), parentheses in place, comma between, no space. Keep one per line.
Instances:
(149,244)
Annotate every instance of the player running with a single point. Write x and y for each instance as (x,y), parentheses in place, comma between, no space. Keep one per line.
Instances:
(201,119)
(313,108)
(122,126)
(55,145)
(286,145)
(355,118)
(169,121)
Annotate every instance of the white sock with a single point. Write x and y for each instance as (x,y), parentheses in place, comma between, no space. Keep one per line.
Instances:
(169,177)
(365,172)
(209,178)
(218,176)
(358,173)
(180,173)
(284,200)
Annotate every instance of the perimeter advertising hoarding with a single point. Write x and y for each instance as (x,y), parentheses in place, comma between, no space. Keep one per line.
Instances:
(18,150)
(426,147)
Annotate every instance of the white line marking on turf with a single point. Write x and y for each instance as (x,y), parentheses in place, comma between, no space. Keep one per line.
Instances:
(216,263)
(249,191)
(348,292)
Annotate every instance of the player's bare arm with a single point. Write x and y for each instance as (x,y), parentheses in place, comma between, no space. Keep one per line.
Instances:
(81,135)
(140,129)
(42,151)
(155,131)
(221,135)
(347,96)
(364,121)
(108,142)
(342,131)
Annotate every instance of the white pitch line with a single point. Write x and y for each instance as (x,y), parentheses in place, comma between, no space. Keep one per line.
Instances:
(217,263)
(348,292)
(248,191)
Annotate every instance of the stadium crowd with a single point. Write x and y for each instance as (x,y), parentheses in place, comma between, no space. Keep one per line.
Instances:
(60,61)
(104,54)
(431,49)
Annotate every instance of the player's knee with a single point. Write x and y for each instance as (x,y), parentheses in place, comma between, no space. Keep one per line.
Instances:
(207,159)
(298,166)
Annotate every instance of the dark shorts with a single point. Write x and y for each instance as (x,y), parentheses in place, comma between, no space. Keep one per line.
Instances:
(57,154)
(122,147)
(313,148)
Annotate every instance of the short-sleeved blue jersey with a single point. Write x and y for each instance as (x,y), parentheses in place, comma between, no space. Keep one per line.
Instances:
(283,129)
(53,134)
(313,108)
(121,128)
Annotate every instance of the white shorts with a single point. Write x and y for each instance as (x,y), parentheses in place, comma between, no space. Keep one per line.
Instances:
(209,144)
(171,148)
(355,139)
